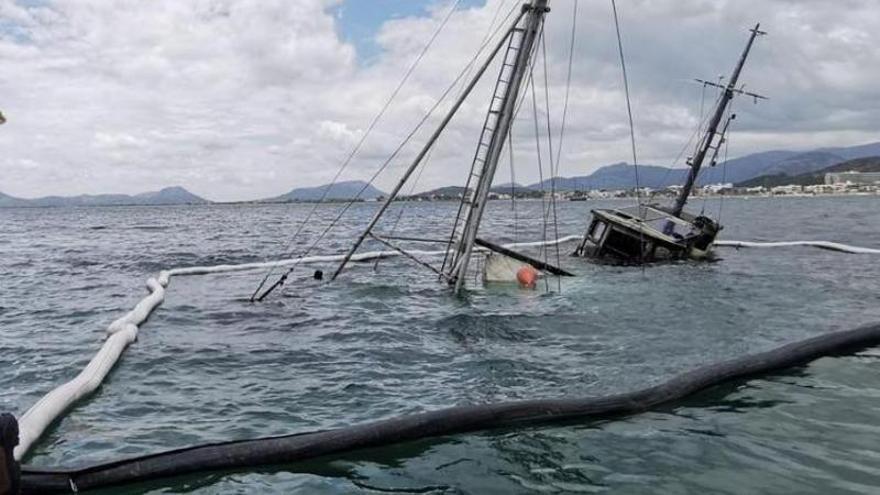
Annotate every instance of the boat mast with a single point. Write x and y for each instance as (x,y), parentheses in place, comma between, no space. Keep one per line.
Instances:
(492,140)
(706,143)
(424,151)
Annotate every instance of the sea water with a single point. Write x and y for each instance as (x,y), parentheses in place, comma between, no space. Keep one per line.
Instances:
(388,339)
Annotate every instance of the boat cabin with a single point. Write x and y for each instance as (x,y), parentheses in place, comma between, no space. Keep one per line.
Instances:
(647,233)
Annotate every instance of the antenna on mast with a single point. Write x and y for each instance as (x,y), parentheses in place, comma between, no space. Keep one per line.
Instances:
(709,142)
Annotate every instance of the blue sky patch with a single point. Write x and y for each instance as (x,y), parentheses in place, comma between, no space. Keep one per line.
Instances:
(360,20)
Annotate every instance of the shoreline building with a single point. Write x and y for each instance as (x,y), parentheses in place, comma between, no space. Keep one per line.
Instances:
(866,178)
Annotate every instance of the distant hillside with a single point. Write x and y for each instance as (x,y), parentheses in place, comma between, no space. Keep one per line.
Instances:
(338,191)
(169,196)
(166,196)
(452,192)
(441,192)
(506,187)
(776,165)
(804,163)
(744,167)
(768,163)
(10,201)
(852,152)
(869,164)
(616,176)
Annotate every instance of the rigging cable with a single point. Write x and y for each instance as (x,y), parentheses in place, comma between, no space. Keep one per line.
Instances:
(512,184)
(723,174)
(722,140)
(461,203)
(632,134)
(424,165)
(518,107)
(632,131)
(700,121)
(360,142)
(567,85)
(540,169)
(385,164)
(567,82)
(554,170)
(704,170)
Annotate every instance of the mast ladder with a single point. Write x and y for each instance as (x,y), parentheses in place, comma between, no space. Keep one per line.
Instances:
(478,164)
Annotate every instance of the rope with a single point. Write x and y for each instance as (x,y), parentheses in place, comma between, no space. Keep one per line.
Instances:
(363,138)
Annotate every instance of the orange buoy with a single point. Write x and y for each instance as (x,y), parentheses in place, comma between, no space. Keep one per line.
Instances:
(527,276)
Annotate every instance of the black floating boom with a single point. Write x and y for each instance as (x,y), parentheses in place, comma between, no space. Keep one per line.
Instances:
(293,448)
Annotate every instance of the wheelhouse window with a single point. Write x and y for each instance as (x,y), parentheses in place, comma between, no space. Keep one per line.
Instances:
(597,230)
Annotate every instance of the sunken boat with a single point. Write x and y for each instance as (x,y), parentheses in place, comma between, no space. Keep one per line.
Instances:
(515,56)
(647,233)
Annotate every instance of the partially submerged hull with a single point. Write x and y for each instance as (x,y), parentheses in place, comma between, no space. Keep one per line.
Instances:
(646,234)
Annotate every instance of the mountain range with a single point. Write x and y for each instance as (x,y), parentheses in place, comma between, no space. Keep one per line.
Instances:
(737,170)
(869,164)
(339,191)
(780,165)
(166,196)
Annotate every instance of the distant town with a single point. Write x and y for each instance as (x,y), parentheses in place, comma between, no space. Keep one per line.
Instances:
(833,171)
(838,183)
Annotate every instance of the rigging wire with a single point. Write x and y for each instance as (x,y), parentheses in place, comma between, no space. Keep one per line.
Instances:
(519,106)
(554,170)
(632,131)
(700,123)
(724,174)
(540,171)
(725,141)
(701,120)
(361,141)
(567,81)
(632,134)
(461,204)
(424,165)
(385,164)
(513,184)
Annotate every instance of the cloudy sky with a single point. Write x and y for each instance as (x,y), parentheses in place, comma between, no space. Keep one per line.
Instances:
(242,99)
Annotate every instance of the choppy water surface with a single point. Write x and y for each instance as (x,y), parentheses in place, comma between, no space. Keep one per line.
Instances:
(210,366)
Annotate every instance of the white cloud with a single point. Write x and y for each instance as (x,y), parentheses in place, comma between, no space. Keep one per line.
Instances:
(239,99)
